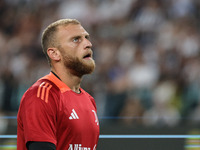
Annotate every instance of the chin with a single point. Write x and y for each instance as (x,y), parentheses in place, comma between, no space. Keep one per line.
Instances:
(89,68)
(80,67)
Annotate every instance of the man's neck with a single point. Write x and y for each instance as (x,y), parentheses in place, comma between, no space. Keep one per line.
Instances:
(73,82)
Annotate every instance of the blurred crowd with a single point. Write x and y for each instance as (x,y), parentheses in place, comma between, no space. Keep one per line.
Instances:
(147,55)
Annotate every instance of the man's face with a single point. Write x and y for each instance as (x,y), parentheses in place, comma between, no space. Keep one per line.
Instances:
(75,49)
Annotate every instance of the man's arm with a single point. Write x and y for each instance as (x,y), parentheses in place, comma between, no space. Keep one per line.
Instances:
(40,146)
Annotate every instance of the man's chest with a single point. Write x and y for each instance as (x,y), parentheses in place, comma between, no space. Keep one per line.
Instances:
(78,114)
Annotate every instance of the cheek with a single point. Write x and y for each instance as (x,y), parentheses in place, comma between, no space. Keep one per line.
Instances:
(71,50)
(72,45)
(68,47)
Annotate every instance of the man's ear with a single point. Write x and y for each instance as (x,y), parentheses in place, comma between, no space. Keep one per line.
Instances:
(54,54)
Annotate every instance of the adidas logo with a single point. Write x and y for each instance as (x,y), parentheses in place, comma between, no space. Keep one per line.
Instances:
(73,115)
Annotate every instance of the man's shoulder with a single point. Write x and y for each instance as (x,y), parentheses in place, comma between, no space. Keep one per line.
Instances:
(86,93)
(43,84)
(90,97)
(42,88)
(42,94)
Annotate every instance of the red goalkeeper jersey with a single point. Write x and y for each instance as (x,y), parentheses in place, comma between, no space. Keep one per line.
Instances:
(51,112)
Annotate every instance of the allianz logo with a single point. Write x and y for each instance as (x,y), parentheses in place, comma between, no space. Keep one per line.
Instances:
(79,147)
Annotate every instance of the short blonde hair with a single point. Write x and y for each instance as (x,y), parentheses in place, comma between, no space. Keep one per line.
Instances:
(48,35)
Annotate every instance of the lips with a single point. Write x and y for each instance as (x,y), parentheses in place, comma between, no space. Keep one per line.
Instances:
(88,55)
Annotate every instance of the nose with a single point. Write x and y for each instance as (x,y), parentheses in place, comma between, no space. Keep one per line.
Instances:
(88,44)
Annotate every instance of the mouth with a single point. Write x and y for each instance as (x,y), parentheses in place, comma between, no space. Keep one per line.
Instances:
(88,55)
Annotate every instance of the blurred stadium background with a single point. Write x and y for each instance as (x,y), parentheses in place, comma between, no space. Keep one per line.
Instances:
(147,79)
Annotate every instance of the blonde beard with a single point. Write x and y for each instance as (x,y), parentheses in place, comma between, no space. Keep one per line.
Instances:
(77,67)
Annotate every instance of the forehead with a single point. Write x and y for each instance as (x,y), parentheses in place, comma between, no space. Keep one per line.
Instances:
(71,30)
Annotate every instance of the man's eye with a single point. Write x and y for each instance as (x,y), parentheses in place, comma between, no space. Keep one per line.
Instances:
(87,37)
(75,39)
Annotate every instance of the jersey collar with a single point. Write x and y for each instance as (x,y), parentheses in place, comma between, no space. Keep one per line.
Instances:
(61,85)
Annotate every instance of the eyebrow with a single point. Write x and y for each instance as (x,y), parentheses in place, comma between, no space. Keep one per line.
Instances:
(79,36)
(76,36)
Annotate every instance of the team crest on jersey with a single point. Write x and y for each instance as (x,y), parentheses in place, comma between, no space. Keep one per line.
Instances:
(43,91)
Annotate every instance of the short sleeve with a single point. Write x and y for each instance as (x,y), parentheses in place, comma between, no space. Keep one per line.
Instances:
(39,115)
